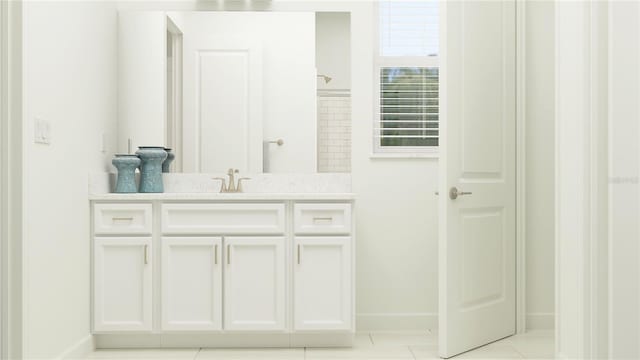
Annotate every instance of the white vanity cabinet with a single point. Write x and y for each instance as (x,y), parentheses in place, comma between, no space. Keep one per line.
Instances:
(122,284)
(322,283)
(122,267)
(227,273)
(254,286)
(322,273)
(191,283)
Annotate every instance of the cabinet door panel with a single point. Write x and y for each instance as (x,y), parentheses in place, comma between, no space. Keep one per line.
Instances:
(192,283)
(254,283)
(122,284)
(322,283)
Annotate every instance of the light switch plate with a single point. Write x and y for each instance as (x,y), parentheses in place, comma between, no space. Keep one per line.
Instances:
(42,132)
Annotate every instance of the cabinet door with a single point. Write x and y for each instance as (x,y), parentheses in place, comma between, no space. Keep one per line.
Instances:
(122,284)
(192,283)
(254,283)
(322,283)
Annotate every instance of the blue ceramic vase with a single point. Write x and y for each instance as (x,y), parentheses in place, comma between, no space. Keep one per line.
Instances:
(167,162)
(151,168)
(126,165)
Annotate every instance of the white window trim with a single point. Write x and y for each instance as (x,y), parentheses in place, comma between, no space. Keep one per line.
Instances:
(379,62)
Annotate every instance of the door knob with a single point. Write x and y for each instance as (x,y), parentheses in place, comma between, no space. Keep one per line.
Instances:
(454,193)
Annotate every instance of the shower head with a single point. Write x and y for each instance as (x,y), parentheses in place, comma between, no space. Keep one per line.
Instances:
(326,78)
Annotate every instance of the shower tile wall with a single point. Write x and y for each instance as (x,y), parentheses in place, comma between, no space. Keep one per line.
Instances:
(334,134)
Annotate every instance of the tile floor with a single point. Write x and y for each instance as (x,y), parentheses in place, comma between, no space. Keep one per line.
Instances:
(379,346)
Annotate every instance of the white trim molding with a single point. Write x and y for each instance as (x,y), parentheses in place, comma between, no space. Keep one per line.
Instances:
(79,350)
(624,180)
(396,321)
(521,256)
(540,321)
(11,180)
(3,179)
(579,191)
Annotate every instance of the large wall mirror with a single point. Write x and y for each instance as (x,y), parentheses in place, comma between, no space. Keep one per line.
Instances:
(257,91)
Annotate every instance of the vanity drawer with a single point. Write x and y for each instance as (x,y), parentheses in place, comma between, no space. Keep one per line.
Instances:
(122,219)
(225,219)
(322,218)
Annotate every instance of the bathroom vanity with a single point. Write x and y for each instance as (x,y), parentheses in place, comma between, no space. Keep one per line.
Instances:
(223,270)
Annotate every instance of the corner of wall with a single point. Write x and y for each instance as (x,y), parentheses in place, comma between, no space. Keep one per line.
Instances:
(12,154)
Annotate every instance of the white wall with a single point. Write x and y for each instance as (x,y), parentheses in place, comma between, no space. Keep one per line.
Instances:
(397,221)
(539,198)
(333,49)
(624,175)
(396,224)
(69,55)
(142,74)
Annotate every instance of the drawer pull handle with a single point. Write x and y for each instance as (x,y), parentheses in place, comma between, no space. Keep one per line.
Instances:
(216,254)
(228,254)
(298,254)
(146,254)
(327,218)
(130,218)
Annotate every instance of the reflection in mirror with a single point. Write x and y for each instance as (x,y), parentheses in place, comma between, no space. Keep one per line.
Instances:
(333,59)
(243,90)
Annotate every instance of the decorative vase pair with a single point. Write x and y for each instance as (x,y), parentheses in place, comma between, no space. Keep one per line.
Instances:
(152,161)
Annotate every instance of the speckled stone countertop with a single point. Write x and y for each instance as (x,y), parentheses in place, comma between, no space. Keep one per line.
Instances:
(223,197)
(262,187)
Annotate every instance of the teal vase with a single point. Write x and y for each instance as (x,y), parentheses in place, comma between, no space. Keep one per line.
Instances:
(126,165)
(152,158)
(167,162)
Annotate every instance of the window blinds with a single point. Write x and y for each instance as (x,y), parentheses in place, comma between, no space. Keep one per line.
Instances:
(408,74)
(409,28)
(408,106)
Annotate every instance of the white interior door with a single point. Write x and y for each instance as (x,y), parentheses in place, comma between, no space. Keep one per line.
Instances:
(122,284)
(477,229)
(254,286)
(191,283)
(222,103)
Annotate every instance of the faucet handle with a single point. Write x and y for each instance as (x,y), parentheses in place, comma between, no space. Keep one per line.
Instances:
(223,186)
(239,188)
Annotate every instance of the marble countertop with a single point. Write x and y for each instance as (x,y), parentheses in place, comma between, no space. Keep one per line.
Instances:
(262,187)
(222,197)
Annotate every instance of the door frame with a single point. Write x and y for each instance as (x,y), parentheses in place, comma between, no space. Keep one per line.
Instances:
(521,237)
(173,133)
(11,176)
(3,172)
(581,319)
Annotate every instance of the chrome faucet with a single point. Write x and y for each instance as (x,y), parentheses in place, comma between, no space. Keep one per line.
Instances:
(232,187)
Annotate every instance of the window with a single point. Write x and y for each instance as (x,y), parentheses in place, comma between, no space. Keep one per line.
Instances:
(407,74)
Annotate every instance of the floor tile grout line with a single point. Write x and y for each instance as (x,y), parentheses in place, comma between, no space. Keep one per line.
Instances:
(517,351)
(412,353)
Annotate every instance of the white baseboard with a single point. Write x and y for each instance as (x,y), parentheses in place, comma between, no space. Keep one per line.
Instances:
(396,321)
(425,321)
(221,340)
(79,350)
(540,321)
